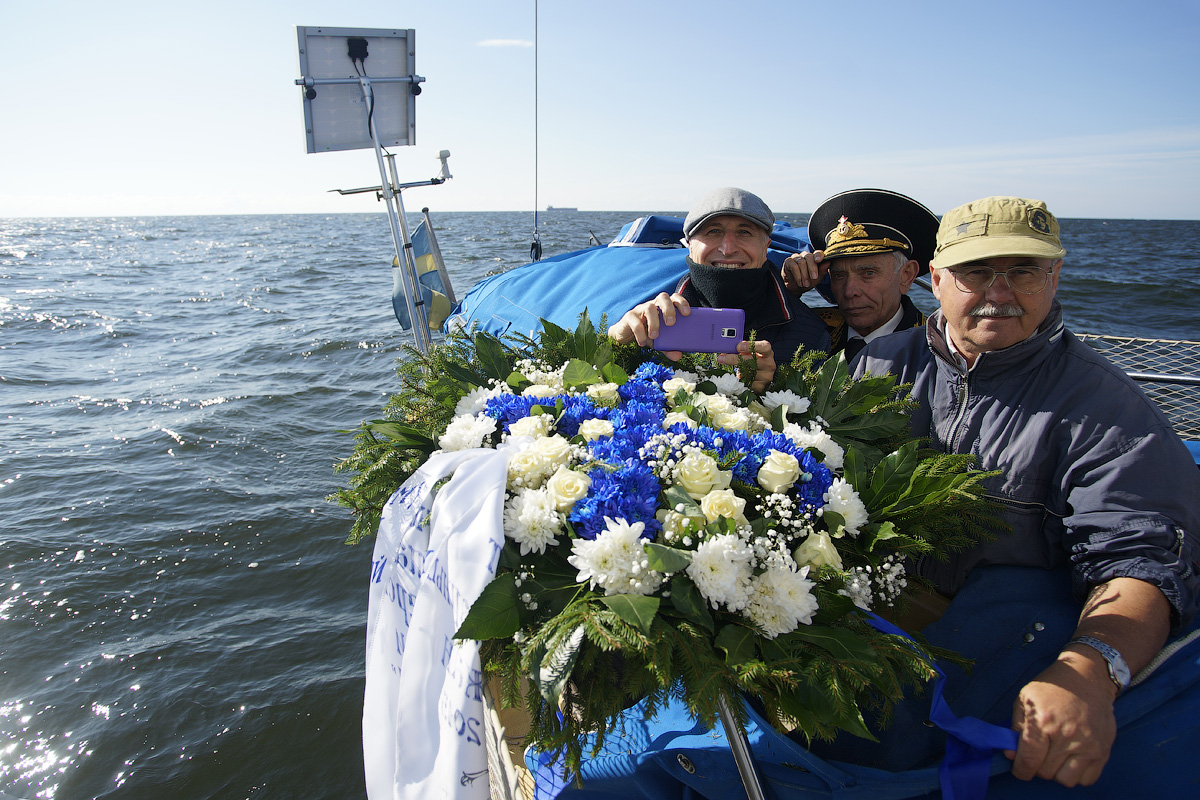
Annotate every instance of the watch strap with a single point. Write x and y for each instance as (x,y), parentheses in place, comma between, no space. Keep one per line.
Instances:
(1118,670)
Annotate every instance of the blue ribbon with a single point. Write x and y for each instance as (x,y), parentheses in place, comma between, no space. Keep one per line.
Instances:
(970,742)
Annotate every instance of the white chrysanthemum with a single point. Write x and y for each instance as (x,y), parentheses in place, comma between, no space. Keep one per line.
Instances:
(466,431)
(844,500)
(781,599)
(531,520)
(592,429)
(615,560)
(795,403)
(815,436)
(534,425)
(722,571)
(684,375)
(676,417)
(728,383)
(475,400)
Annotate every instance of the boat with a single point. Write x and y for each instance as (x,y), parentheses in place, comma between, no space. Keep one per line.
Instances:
(669,755)
(561,208)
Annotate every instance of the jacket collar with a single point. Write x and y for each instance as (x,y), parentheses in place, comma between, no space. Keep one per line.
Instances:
(1020,357)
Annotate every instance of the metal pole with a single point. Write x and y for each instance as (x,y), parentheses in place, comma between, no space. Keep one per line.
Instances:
(412,296)
(740,746)
(410,262)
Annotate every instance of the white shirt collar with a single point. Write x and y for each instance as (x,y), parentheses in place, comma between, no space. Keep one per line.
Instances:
(883,330)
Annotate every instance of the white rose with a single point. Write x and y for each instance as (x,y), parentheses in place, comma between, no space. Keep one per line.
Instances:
(778,472)
(676,417)
(672,386)
(676,525)
(591,429)
(698,474)
(537,425)
(736,420)
(539,390)
(723,503)
(715,404)
(556,449)
(566,486)
(603,393)
(817,551)
(528,467)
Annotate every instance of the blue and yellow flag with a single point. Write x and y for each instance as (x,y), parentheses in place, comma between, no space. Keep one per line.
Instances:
(433,292)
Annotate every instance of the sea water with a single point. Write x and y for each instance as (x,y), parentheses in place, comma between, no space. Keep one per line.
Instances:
(178,614)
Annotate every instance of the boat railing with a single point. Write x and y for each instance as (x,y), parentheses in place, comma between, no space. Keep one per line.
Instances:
(1168,370)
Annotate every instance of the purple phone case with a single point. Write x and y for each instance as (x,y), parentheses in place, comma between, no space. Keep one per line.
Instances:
(705,330)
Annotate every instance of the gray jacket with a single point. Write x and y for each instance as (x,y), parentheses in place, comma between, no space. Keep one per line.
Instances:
(1092,473)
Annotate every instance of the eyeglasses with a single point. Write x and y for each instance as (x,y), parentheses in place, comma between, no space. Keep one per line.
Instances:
(1026,280)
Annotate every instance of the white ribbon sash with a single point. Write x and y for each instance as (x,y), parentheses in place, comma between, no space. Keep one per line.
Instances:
(423,710)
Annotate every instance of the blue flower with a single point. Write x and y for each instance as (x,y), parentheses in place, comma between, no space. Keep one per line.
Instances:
(630,493)
(576,409)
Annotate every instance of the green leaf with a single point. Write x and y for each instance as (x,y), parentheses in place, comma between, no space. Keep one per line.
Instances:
(401,434)
(872,535)
(843,644)
(667,559)
(686,599)
(494,613)
(614,374)
(738,643)
(461,372)
(834,521)
(636,609)
(676,496)
(555,665)
(491,356)
(579,374)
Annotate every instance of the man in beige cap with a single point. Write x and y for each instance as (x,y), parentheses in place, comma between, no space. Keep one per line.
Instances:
(1099,491)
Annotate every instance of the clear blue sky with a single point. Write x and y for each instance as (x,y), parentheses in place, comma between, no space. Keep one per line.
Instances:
(131,107)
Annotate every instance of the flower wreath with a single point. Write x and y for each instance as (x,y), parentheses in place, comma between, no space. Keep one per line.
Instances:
(669,533)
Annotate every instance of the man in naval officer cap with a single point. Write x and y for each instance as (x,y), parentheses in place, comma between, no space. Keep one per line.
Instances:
(873,243)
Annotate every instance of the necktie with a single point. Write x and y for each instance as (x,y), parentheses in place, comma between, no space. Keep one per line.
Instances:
(853,346)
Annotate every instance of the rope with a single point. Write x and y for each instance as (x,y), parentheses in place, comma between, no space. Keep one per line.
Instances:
(535,249)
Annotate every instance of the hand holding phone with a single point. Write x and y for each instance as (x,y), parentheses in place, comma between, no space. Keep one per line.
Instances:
(705,330)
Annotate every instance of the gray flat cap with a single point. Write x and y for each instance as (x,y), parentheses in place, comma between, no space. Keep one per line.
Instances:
(729,201)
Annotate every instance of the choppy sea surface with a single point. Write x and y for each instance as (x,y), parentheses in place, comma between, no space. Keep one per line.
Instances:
(178,614)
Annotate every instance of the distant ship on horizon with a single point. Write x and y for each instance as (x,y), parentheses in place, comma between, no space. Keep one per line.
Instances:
(561,208)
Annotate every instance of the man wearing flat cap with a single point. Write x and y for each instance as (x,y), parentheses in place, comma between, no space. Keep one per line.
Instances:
(727,234)
(874,243)
(1100,564)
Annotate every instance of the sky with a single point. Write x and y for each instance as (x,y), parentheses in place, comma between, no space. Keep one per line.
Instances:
(145,108)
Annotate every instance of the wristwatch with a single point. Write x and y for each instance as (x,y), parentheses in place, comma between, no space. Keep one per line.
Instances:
(1118,670)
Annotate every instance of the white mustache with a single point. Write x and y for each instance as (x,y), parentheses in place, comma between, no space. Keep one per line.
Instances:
(989,309)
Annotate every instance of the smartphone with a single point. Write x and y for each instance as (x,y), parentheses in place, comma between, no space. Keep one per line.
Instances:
(705,330)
